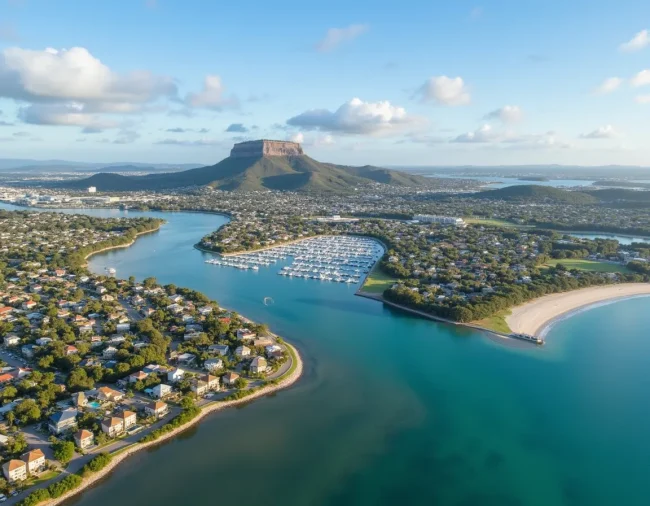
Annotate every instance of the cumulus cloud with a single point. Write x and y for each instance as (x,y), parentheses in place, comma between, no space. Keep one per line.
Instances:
(485,133)
(608,85)
(604,132)
(641,79)
(357,117)
(506,114)
(71,114)
(445,91)
(638,42)
(317,141)
(337,36)
(75,74)
(211,96)
(71,87)
(237,128)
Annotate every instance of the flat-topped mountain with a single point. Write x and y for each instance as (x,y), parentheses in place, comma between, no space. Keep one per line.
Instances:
(258,165)
(265,147)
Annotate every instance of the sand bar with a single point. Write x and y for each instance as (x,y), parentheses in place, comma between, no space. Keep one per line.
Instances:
(534,316)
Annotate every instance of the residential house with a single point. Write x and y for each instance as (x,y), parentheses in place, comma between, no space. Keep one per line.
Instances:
(199,387)
(137,376)
(15,470)
(63,421)
(258,365)
(6,378)
(175,375)
(213,364)
(109,394)
(129,418)
(11,340)
(71,350)
(35,460)
(243,351)
(186,358)
(161,391)
(245,335)
(211,381)
(219,349)
(229,378)
(156,409)
(113,426)
(109,352)
(84,439)
(79,400)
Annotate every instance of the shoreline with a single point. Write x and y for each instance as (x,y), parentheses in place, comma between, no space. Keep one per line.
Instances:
(539,315)
(291,377)
(120,246)
(88,481)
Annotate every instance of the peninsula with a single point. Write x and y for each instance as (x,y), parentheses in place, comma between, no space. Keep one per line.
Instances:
(95,368)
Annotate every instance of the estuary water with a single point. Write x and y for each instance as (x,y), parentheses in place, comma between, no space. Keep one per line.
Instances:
(394,409)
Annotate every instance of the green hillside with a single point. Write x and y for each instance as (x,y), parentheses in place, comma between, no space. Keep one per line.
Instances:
(296,173)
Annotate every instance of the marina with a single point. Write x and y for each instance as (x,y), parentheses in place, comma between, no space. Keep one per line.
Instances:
(339,259)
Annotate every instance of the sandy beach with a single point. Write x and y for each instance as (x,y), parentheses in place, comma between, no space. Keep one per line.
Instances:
(535,316)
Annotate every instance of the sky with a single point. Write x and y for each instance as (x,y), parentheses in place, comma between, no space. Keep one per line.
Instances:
(386,83)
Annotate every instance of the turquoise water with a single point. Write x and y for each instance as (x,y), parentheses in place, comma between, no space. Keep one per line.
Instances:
(623,239)
(397,410)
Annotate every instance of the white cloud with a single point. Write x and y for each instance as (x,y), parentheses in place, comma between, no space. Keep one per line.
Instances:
(71,114)
(641,79)
(212,95)
(357,117)
(546,140)
(639,41)
(445,90)
(506,114)
(75,74)
(318,141)
(642,99)
(337,36)
(485,133)
(604,132)
(608,85)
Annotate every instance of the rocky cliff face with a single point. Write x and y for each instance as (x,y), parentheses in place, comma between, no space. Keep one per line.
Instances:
(265,148)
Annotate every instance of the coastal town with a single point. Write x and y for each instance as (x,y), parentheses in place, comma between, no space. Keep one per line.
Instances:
(93,365)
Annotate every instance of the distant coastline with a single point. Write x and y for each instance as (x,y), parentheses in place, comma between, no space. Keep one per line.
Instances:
(537,316)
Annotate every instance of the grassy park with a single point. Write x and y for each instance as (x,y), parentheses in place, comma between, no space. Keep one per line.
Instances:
(588,265)
(377,282)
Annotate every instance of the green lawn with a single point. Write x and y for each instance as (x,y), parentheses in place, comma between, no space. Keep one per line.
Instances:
(588,265)
(45,477)
(377,282)
(495,223)
(496,322)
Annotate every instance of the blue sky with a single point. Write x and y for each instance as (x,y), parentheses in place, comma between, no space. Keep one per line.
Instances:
(412,83)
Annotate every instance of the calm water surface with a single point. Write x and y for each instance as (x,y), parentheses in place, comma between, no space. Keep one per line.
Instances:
(397,410)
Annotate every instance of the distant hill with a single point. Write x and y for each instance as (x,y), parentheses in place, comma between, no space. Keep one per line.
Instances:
(26,165)
(537,193)
(294,172)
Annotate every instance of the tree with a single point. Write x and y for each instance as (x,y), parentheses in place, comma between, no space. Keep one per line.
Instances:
(79,380)
(241,383)
(63,451)
(149,282)
(27,412)
(17,445)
